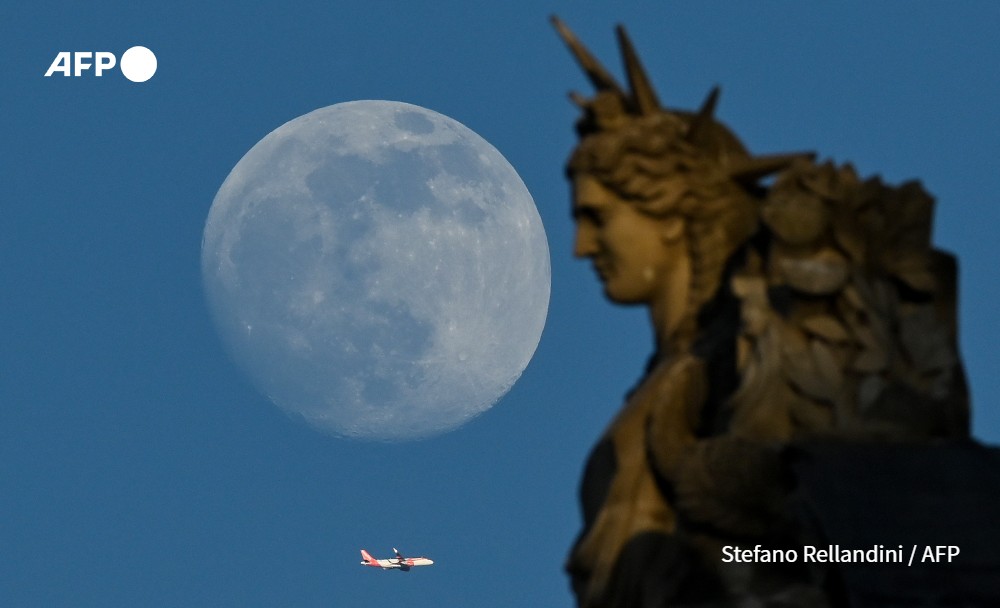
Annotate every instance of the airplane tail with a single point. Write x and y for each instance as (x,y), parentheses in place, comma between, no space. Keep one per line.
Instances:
(367,557)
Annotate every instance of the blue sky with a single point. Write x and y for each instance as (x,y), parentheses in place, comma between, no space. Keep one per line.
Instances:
(138,467)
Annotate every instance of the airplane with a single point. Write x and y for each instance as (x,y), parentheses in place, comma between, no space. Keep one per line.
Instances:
(397,563)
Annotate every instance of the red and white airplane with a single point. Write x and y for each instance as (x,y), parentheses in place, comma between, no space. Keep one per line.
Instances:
(397,563)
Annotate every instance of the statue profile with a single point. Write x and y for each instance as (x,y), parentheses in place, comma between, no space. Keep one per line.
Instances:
(789,299)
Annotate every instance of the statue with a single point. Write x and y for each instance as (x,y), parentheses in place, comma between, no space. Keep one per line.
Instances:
(811,306)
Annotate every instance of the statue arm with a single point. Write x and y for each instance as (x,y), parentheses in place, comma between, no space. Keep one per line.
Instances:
(677,394)
(729,482)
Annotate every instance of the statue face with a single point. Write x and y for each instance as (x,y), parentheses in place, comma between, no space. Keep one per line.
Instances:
(634,255)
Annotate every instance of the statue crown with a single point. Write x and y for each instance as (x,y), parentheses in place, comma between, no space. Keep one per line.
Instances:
(614,107)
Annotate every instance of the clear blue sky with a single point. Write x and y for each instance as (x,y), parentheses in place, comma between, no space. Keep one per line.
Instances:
(138,467)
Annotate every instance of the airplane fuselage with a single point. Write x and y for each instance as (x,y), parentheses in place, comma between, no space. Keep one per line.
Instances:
(405,564)
(394,563)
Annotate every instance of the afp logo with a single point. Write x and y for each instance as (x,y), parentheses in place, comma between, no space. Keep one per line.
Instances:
(138,64)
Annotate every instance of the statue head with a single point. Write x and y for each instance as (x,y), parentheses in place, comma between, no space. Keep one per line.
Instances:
(662,198)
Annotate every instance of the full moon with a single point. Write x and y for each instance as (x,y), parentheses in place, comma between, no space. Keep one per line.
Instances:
(378,269)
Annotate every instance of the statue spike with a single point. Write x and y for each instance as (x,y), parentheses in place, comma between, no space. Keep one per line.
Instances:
(578,99)
(643,94)
(601,79)
(704,117)
(753,169)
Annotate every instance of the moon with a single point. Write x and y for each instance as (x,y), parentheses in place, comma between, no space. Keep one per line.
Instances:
(378,269)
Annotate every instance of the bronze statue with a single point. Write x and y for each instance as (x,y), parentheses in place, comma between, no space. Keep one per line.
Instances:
(809,306)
